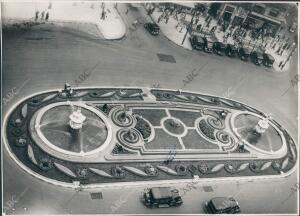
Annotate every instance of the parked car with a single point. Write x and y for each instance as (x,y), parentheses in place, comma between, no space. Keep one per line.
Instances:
(152,28)
(208,46)
(222,205)
(230,50)
(161,197)
(244,53)
(257,57)
(197,42)
(268,60)
(219,47)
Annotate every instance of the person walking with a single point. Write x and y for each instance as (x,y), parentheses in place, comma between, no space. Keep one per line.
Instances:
(47,16)
(42,15)
(36,15)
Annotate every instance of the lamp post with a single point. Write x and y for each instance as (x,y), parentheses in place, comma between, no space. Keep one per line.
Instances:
(189,26)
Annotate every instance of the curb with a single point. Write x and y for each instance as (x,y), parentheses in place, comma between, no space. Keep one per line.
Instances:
(123,184)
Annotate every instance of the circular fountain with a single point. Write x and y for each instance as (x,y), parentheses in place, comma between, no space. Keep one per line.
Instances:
(70,128)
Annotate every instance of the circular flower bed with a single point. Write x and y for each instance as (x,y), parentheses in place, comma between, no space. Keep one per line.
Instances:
(151,170)
(17,122)
(130,136)
(216,123)
(20,142)
(168,95)
(276,166)
(117,172)
(45,164)
(192,168)
(174,126)
(203,168)
(230,168)
(82,173)
(35,102)
(254,166)
(181,169)
(122,118)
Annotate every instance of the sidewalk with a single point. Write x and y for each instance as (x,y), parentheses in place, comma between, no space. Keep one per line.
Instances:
(111,25)
(175,32)
(170,31)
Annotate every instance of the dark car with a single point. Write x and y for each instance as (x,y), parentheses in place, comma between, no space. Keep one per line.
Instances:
(257,57)
(230,50)
(268,60)
(161,197)
(222,205)
(208,46)
(197,42)
(152,28)
(244,53)
(219,48)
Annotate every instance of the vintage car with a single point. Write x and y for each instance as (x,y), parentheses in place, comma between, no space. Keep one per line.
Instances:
(244,53)
(230,50)
(208,46)
(152,28)
(257,57)
(161,197)
(268,60)
(222,205)
(219,48)
(197,42)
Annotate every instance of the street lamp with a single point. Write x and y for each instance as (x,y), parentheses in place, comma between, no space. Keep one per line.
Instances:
(189,26)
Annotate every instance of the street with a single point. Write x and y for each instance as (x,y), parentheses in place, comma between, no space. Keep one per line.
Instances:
(45,57)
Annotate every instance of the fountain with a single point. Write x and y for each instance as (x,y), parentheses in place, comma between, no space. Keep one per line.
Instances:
(76,119)
(262,125)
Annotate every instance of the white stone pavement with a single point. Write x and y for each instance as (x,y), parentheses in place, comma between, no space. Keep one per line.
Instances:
(111,27)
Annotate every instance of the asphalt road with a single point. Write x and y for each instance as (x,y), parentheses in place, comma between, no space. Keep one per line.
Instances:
(46,57)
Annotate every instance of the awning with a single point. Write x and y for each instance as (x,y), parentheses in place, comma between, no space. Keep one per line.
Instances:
(265,18)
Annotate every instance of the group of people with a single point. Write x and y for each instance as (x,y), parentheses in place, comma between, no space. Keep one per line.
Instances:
(42,15)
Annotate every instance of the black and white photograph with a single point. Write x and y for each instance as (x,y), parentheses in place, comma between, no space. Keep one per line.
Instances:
(149,107)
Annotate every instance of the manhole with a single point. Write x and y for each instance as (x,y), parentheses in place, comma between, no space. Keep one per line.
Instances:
(208,189)
(96,195)
(166,58)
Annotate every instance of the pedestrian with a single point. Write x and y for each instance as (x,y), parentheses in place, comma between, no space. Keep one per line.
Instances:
(103,15)
(159,18)
(47,16)
(167,19)
(42,15)
(36,15)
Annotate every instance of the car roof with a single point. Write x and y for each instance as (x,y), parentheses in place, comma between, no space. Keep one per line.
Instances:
(209,39)
(199,38)
(269,56)
(223,202)
(246,49)
(154,25)
(161,192)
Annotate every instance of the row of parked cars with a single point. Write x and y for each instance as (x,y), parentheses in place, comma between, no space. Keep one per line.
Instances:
(164,197)
(210,46)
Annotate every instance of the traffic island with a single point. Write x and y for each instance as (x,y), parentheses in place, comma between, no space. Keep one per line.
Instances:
(110,135)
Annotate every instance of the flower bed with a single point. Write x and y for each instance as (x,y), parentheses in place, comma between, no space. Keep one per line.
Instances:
(206,129)
(143,127)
